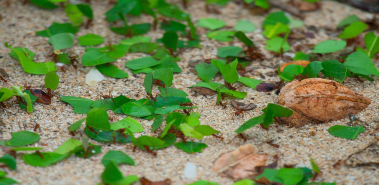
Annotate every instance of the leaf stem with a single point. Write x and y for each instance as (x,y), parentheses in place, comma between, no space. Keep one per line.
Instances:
(18,92)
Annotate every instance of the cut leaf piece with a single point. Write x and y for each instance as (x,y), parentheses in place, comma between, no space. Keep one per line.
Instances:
(10,161)
(69,146)
(334,69)
(105,136)
(90,40)
(26,51)
(111,71)
(346,131)
(206,71)
(165,75)
(92,58)
(62,40)
(75,126)
(80,105)
(170,40)
(30,66)
(210,23)
(353,30)
(358,62)
(137,109)
(51,80)
(22,138)
(57,28)
(129,123)
(275,17)
(191,147)
(135,40)
(250,82)
(111,174)
(43,159)
(117,157)
(98,118)
(141,63)
(244,26)
(221,35)
(329,46)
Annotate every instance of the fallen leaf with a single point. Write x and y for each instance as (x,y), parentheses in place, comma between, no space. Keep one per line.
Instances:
(241,163)
(265,87)
(203,91)
(42,96)
(145,181)
(317,100)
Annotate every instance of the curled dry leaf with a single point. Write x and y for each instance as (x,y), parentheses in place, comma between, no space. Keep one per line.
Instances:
(145,181)
(241,163)
(317,100)
(265,87)
(203,91)
(42,96)
(303,63)
(306,6)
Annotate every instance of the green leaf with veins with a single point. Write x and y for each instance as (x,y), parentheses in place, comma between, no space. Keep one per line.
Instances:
(177,117)
(111,71)
(90,40)
(137,109)
(69,146)
(189,131)
(30,66)
(193,120)
(149,141)
(22,138)
(80,105)
(290,175)
(272,31)
(64,58)
(173,26)
(107,104)
(334,69)
(346,131)
(118,157)
(123,7)
(62,40)
(372,44)
(144,47)
(168,92)
(190,146)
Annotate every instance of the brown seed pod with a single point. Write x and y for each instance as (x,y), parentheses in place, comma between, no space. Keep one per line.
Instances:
(317,100)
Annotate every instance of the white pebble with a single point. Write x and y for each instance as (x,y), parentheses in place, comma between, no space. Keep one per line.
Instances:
(94,76)
(190,171)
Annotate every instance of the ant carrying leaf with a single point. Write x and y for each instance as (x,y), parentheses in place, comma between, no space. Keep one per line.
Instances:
(251,51)
(241,107)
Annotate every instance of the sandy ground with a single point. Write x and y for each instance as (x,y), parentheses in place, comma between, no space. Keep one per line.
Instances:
(296,144)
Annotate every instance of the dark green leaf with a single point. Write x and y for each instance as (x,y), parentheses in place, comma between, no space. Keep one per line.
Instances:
(169,92)
(290,72)
(122,6)
(275,17)
(190,146)
(148,82)
(46,4)
(117,157)
(86,10)
(157,123)
(137,109)
(135,40)
(312,69)
(228,71)
(177,117)
(118,102)
(111,71)
(346,131)
(348,20)
(170,40)
(105,136)
(172,11)
(250,123)
(173,26)
(111,174)
(22,138)
(57,28)
(206,71)
(98,119)
(302,56)
(192,27)
(334,69)
(143,47)
(242,37)
(9,160)
(64,58)
(107,104)
(80,105)
(290,175)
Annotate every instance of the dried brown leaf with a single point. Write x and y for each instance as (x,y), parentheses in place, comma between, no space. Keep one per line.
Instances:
(241,163)
(145,181)
(203,91)
(265,87)
(42,96)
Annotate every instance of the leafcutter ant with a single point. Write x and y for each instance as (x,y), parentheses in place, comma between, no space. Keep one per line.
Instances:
(107,96)
(229,86)
(36,126)
(217,136)
(158,83)
(74,61)
(241,136)
(148,150)
(3,75)
(241,107)
(178,133)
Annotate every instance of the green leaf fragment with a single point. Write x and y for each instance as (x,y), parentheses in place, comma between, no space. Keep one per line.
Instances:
(129,123)
(346,131)
(62,40)
(190,146)
(211,23)
(98,118)
(92,58)
(329,46)
(117,157)
(75,126)
(51,80)
(111,71)
(22,138)
(90,40)
(80,105)
(245,26)
(141,63)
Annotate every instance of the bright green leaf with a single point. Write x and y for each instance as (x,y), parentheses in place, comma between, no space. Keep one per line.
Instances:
(80,105)
(90,40)
(346,131)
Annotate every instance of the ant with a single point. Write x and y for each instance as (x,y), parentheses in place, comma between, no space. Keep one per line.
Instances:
(240,107)
(243,137)
(219,137)
(159,83)
(74,61)
(229,86)
(220,102)
(147,148)
(178,133)
(36,126)
(107,96)
(253,53)
(151,97)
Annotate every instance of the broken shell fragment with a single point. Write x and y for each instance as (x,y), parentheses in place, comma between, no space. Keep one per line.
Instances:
(317,100)
(241,163)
